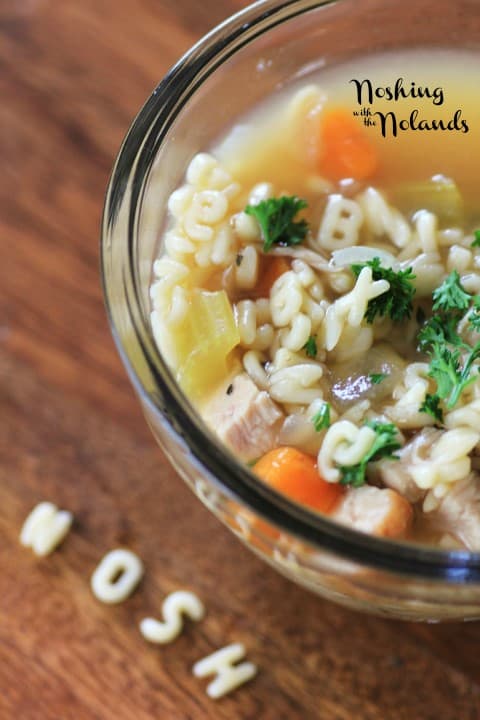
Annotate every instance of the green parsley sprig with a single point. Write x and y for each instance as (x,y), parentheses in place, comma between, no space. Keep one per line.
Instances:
(476,242)
(321,419)
(397,301)
(310,347)
(384,446)
(276,219)
(450,295)
(431,406)
(377,378)
(439,330)
(451,358)
(474,315)
(451,373)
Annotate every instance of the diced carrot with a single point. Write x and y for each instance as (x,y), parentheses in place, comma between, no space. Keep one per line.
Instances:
(295,474)
(345,151)
(271,269)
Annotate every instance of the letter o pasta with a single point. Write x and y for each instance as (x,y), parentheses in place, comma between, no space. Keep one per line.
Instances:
(117,576)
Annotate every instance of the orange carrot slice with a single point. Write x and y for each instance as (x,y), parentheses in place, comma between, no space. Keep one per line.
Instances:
(295,474)
(345,151)
(270,270)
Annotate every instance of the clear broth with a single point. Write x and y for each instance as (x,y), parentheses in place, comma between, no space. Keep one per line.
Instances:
(413,155)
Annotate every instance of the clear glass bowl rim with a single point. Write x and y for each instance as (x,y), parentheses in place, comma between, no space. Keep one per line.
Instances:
(134,160)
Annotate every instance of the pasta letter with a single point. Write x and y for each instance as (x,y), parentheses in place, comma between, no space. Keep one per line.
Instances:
(45,528)
(174,606)
(228,676)
(117,576)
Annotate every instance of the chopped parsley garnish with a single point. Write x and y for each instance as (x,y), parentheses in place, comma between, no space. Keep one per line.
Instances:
(451,373)
(451,357)
(439,330)
(384,446)
(474,317)
(321,419)
(450,295)
(397,301)
(476,242)
(310,347)
(276,219)
(377,378)
(474,320)
(431,406)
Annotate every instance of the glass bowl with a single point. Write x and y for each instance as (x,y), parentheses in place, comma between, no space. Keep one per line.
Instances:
(226,73)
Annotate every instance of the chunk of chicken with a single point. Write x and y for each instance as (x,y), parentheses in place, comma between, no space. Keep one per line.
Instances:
(459,512)
(244,417)
(375,511)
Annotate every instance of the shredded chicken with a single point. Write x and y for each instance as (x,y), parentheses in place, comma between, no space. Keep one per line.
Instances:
(243,417)
(459,512)
(376,511)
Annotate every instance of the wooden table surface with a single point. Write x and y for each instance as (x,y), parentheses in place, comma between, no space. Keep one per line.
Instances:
(72,75)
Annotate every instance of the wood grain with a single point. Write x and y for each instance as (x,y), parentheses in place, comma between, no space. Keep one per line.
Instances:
(72,75)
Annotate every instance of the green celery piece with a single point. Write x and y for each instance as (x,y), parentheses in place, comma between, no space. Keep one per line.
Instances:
(439,195)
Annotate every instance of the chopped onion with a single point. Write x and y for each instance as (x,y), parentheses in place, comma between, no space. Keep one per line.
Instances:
(298,430)
(361,254)
(351,380)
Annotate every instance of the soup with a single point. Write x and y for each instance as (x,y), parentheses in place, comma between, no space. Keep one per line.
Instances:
(318,294)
